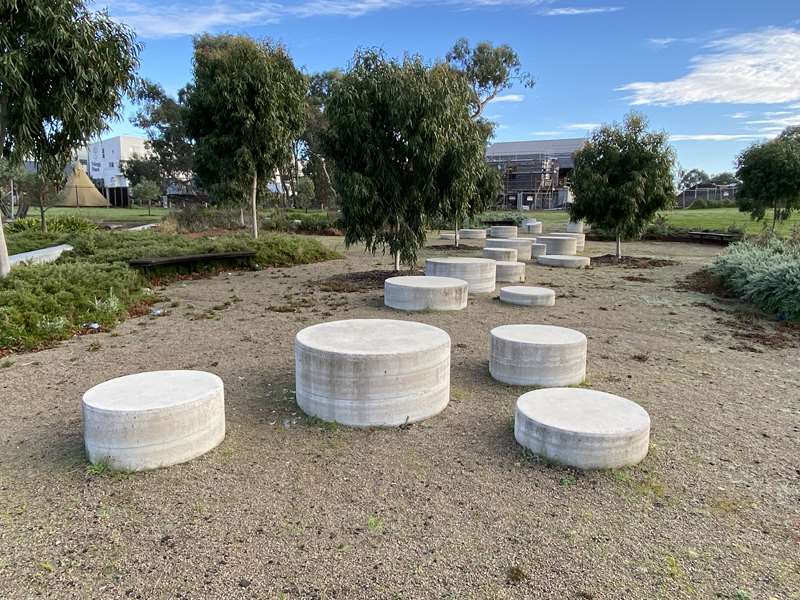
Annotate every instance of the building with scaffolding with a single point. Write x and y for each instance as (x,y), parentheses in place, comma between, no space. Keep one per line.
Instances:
(535,173)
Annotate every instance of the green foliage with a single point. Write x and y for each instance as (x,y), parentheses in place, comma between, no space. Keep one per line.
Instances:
(244,109)
(691,178)
(146,191)
(56,225)
(33,240)
(623,177)
(770,175)
(765,273)
(43,303)
(405,148)
(137,169)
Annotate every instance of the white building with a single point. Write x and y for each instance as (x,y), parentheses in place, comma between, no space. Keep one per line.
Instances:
(107,157)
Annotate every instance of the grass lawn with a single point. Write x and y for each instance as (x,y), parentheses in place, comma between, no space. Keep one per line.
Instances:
(107,214)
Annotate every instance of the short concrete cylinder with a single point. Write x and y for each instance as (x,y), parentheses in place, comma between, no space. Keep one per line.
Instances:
(540,355)
(565,262)
(503,231)
(575,227)
(510,272)
(521,245)
(558,244)
(582,428)
(425,293)
(525,295)
(538,250)
(479,273)
(447,236)
(152,420)
(472,234)
(531,226)
(580,239)
(372,372)
(506,254)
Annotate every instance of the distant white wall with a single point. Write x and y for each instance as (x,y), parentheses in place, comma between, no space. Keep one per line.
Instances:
(107,157)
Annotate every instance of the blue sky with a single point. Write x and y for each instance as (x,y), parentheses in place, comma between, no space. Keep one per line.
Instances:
(715,74)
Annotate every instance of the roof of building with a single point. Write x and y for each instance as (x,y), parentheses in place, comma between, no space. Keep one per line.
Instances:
(560,149)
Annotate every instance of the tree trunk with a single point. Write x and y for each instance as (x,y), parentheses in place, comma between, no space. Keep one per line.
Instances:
(241,216)
(774,216)
(457,239)
(619,246)
(255,208)
(5,264)
(397,260)
(41,214)
(149,206)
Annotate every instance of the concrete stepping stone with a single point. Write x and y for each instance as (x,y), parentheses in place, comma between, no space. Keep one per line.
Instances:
(582,428)
(532,226)
(540,355)
(503,231)
(521,245)
(510,272)
(567,262)
(152,420)
(504,254)
(558,244)
(372,372)
(472,234)
(425,293)
(575,227)
(580,239)
(526,295)
(479,273)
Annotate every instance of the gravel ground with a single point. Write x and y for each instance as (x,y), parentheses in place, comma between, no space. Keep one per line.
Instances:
(288,507)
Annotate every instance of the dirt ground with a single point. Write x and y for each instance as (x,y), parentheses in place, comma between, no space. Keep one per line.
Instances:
(288,507)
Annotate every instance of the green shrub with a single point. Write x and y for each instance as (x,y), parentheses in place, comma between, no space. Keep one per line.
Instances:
(293,220)
(44,303)
(765,273)
(61,224)
(25,241)
(196,219)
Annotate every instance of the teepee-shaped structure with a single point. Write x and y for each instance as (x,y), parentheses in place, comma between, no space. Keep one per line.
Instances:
(79,190)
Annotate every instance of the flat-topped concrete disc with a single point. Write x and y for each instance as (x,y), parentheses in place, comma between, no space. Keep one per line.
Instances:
(479,273)
(472,234)
(525,295)
(155,419)
(580,239)
(566,262)
(530,226)
(521,245)
(425,293)
(502,254)
(503,231)
(540,355)
(582,428)
(558,244)
(510,272)
(372,372)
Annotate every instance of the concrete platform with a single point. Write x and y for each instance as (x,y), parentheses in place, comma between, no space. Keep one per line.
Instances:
(504,254)
(510,272)
(472,234)
(447,236)
(503,231)
(532,226)
(45,255)
(566,262)
(580,239)
(582,428)
(575,227)
(479,273)
(152,420)
(540,355)
(558,244)
(526,295)
(425,293)
(372,372)
(521,245)
(538,250)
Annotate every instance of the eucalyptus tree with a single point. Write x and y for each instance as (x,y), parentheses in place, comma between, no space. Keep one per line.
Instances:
(63,74)
(623,177)
(245,107)
(404,145)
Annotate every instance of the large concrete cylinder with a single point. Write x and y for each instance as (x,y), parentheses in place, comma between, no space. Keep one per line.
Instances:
(506,254)
(510,272)
(372,372)
(521,245)
(472,234)
(425,293)
(479,273)
(562,245)
(503,231)
(580,239)
(575,227)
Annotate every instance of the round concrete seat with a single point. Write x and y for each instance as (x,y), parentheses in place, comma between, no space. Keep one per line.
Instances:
(521,245)
(582,428)
(567,262)
(510,272)
(503,231)
(425,293)
(580,239)
(532,226)
(504,254)
(558,244)
(472,234)
(575,227)
(447,236)
(538,250)
(479,273)
(525,295)
(152,420)
(372,372)
(541,355)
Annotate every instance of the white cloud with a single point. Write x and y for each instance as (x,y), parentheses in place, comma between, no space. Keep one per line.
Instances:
(571,11)
(582,126)
(509,98)
(739,115)
(748,68)
(546,133)
(714,137)
(662,42)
